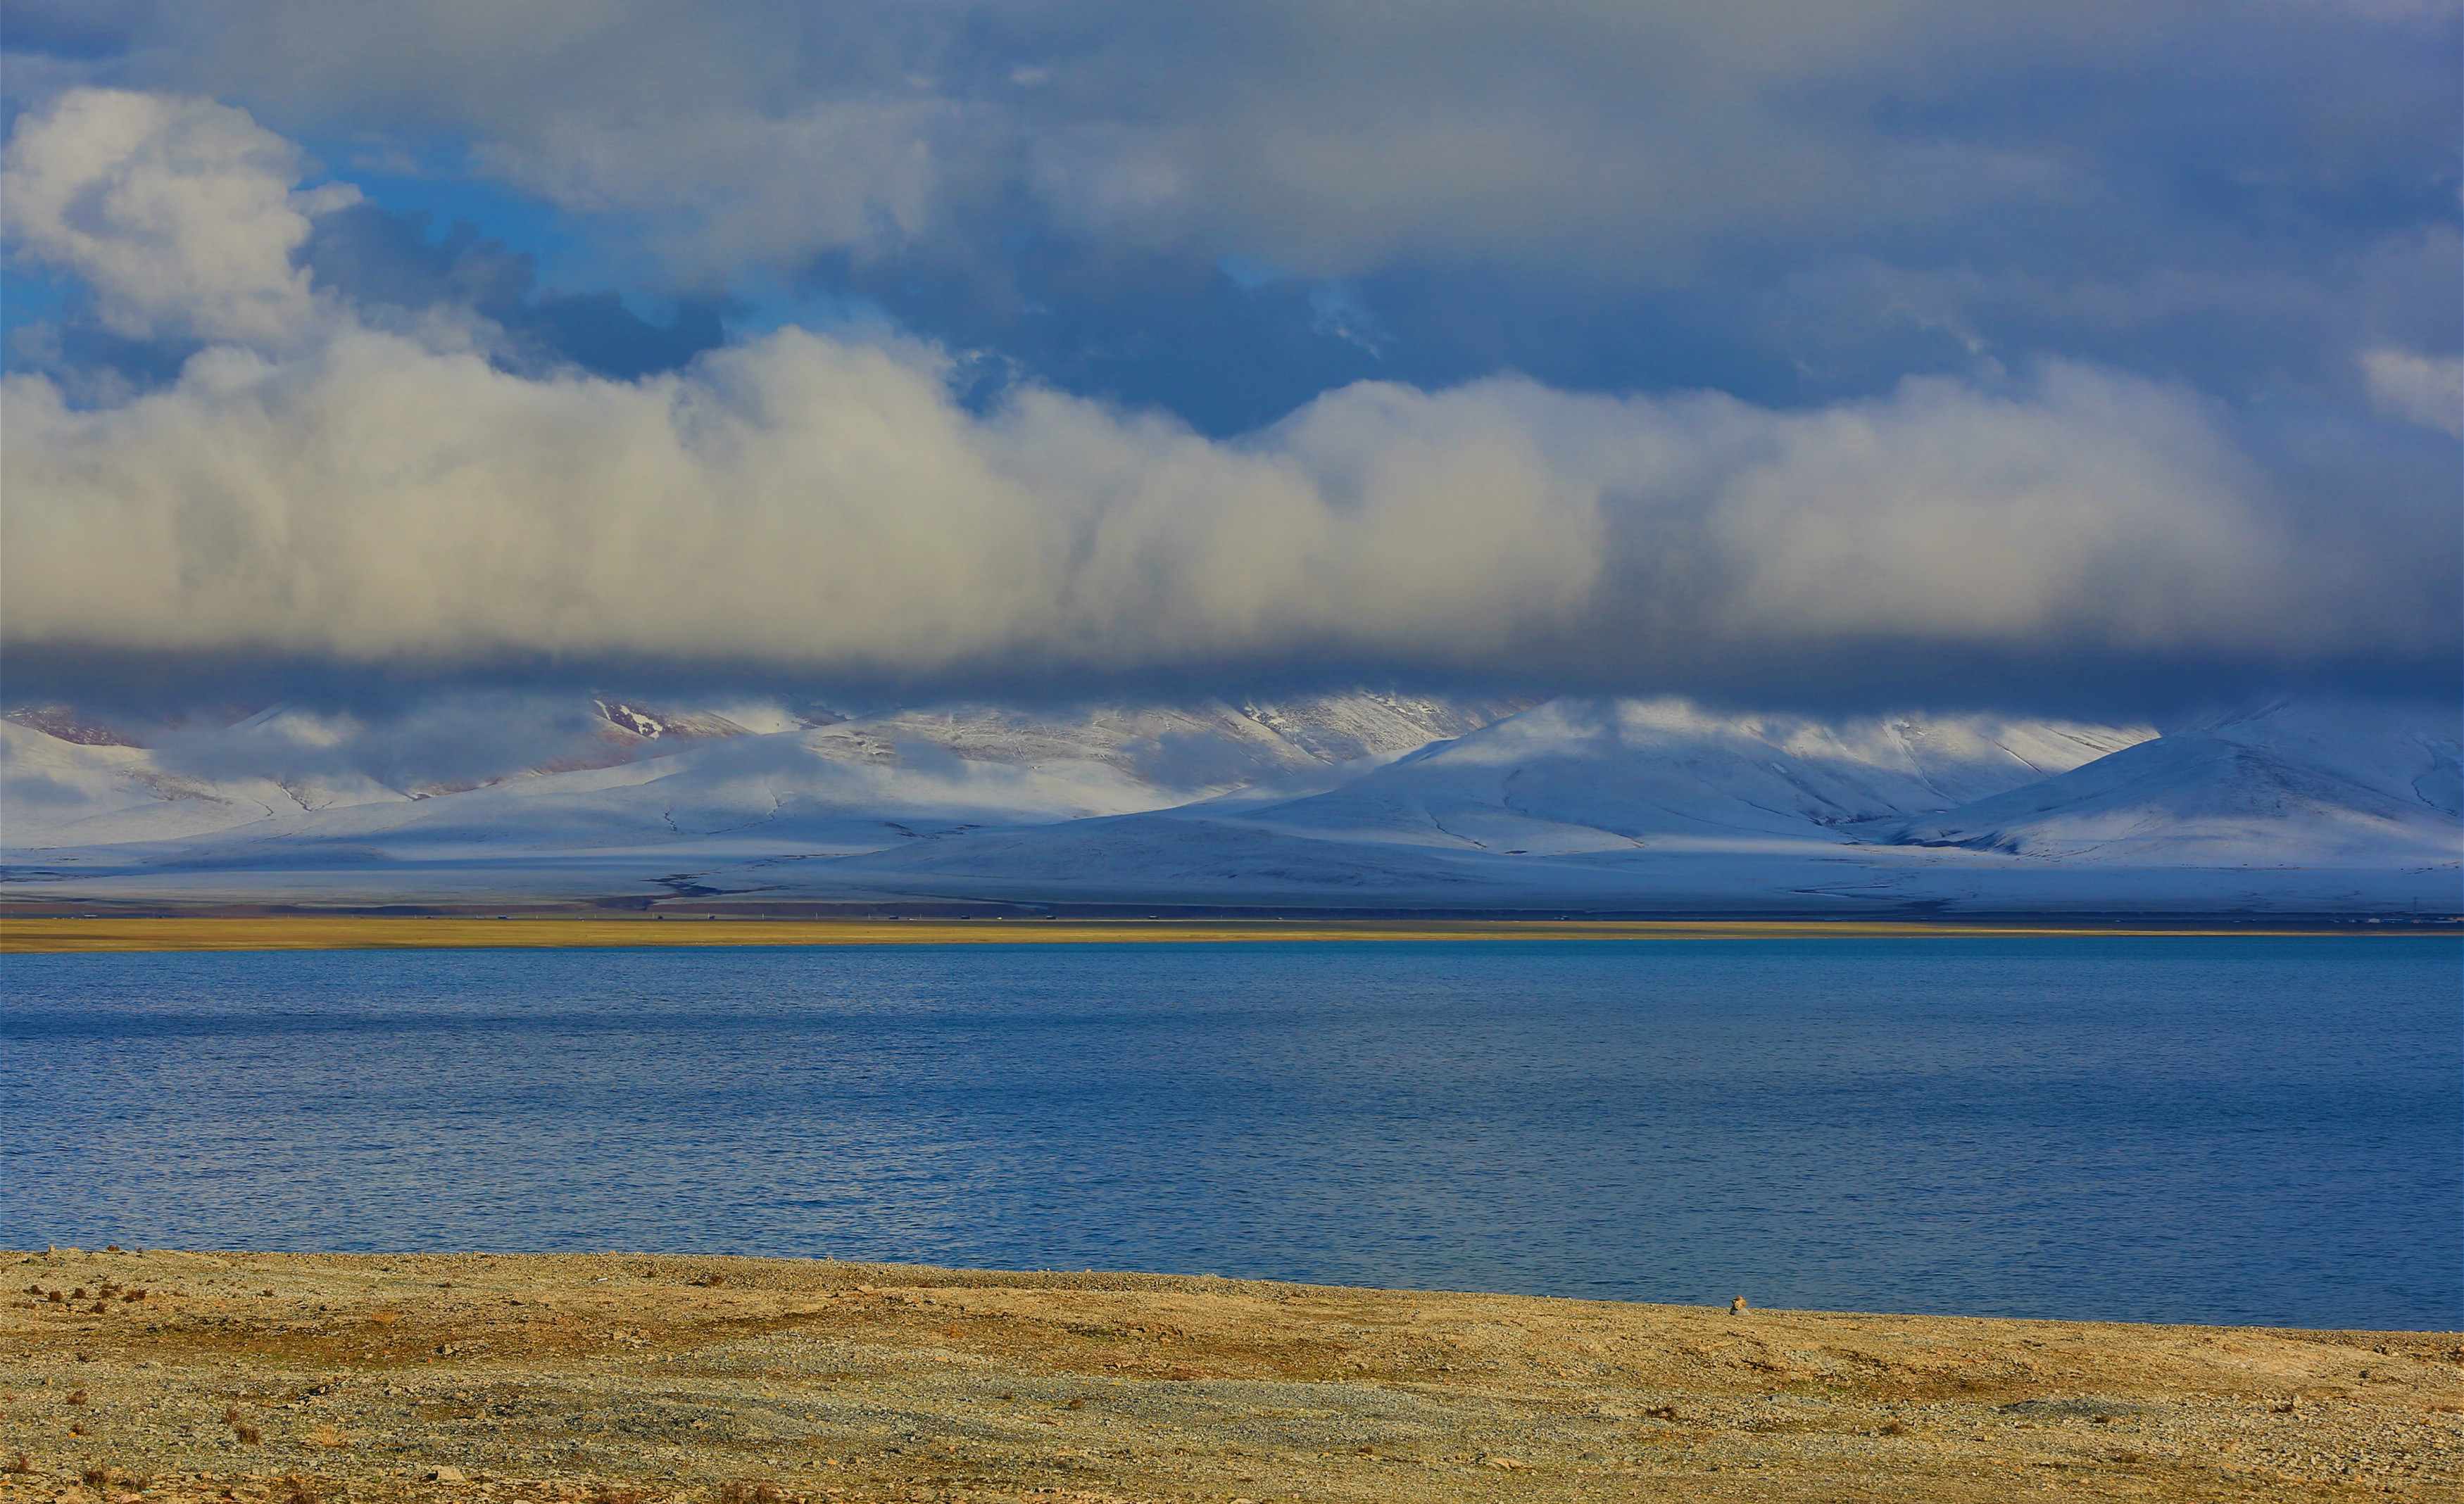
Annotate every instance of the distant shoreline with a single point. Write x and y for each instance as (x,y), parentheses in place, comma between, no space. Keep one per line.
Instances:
(62,934)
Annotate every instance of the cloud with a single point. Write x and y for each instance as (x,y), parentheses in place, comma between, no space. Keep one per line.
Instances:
(179,214)
(1624,138)
(328,480)
(385,262)
(723,188)
(1794,200)
(2423,389)
(434,742)
(815,502)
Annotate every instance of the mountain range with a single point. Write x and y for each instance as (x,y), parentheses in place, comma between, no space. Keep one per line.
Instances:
(1355,802)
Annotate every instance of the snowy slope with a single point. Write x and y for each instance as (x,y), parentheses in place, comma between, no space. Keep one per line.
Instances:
(661,775)
(1638,805)
(56,792)
(2314,784)
(1609,776)
(1598,805)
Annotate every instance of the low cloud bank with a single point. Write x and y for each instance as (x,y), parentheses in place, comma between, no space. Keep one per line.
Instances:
(325,480)
(811,501)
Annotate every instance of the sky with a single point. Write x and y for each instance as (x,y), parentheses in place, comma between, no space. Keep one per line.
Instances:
(2091,356)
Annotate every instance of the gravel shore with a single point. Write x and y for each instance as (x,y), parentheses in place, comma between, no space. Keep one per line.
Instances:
(286,1379)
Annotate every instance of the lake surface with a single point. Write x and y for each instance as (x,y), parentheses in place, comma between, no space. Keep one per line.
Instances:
(2245,1130)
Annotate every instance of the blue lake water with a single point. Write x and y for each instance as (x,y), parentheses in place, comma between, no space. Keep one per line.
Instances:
(2249,1131)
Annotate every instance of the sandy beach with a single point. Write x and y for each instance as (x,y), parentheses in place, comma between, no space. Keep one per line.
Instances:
(280,1379)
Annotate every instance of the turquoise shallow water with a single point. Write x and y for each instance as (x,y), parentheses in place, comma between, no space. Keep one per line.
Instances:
(2249,1130)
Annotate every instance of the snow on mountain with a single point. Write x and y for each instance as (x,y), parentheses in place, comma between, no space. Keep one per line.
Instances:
(1346,801)
(64,722)
(1636,805)
(1582,776)
(634,723)
(2311,784)
(1608,774)
(755,772)
(56,791)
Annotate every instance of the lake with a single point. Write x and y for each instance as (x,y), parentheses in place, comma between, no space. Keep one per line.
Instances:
(2266,1130)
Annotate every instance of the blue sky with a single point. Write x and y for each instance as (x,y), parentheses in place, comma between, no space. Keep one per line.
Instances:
(1893,350)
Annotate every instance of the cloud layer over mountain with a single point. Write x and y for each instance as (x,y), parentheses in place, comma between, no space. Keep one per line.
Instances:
(2076,383)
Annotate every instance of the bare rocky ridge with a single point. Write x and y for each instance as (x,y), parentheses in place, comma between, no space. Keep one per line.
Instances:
(490,1379)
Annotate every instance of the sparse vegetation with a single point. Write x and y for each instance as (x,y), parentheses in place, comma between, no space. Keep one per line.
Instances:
(1105,1390)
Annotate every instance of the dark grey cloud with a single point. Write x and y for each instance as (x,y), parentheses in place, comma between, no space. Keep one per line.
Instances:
(1784,198)
(80,30)
(383,260)
(1776,344)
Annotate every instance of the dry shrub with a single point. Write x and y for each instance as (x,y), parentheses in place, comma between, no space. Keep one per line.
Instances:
(603,1494)
(249,1434)
(232,1415)
(735,1494)
(78,1430)
(751,1490)
(303,1491)
(55,1298)
(23,1464)
(94,1477)
(78,1293)
(77,1396)
(1894,1429)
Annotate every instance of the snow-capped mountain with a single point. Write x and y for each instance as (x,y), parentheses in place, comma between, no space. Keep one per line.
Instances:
(1660,805)
(1574,782)
(2288,784)
(103,790)
(627,773)
(1594,774)
(1358,800)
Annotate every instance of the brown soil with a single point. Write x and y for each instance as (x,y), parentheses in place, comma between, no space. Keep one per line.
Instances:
(644,1380)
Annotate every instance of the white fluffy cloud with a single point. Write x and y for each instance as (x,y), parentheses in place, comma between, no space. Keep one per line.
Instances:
(316,486)
(180,213)
(807,501)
